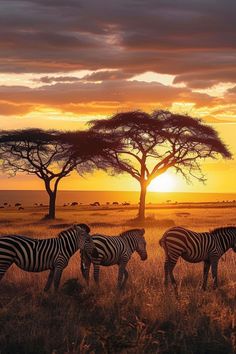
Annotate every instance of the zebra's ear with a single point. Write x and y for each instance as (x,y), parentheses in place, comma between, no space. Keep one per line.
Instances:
(76,226)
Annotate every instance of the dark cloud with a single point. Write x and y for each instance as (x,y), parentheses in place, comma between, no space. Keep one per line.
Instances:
(107,75)
(85,96)
(189,39)
(208,78)
(232,91)
(102,75)
(54,79)
(230,98)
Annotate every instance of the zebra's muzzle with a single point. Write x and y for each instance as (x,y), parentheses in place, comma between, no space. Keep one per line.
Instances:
(143,257)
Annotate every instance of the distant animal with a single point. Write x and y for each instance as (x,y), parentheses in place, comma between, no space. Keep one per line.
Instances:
(115,203)
(17,204)
(125,203)
(95,204)
(74,203)
(37,255)
(196,247)
(114,250)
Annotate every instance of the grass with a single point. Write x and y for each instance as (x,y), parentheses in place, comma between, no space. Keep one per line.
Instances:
(144,318)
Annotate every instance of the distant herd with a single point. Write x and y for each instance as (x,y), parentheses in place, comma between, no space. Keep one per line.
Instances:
(73,204)
(53,254)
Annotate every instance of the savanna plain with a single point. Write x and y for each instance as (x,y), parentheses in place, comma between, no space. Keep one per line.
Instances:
(144,318)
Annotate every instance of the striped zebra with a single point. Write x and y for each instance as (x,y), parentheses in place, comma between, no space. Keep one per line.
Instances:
(114,250)
(196,247)
(37,255)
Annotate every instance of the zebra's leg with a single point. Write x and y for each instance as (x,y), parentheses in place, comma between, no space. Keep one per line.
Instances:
(171,266)
(49,281)
(214,270)
(57,278)
(166,272)
(82,255)
(85,267)
(122,276)
(96,269)
(206,269)
(126,274)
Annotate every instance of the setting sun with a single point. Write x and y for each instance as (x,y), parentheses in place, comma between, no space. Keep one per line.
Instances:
(163,183)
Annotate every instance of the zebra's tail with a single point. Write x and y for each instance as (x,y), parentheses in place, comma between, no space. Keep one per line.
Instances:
(162,242)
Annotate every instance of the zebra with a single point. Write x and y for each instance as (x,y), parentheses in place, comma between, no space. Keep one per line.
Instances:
(37,255)
(195,247)
(114,250)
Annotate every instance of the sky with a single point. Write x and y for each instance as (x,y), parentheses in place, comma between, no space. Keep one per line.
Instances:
(65,62)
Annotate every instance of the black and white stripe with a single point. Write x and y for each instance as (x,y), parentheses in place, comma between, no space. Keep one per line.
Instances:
(114,250)
(37,255)
(197,247)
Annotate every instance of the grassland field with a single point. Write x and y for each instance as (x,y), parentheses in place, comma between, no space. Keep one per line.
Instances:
(145,318)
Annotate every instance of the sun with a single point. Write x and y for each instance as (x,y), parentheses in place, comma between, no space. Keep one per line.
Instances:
(163,183)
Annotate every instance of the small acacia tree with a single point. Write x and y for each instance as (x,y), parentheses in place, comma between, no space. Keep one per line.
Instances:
(52,155)
(154,143)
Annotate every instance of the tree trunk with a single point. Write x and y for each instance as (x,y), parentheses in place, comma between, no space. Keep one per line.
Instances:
(141,212)
(52,193)
(52,205)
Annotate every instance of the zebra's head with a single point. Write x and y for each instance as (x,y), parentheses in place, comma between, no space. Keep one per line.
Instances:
(84,240)
(136,241)
(85,227)
(141,245)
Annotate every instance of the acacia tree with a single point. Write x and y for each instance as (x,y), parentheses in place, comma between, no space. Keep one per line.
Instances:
(154,143)
(52,155)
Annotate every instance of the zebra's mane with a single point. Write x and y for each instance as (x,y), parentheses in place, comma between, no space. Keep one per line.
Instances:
(124,233)
(63,233)
(222,229)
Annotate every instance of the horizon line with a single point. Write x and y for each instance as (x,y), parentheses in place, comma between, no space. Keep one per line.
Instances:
(111,191)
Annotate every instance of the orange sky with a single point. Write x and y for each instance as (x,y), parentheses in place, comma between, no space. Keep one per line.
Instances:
(65,63)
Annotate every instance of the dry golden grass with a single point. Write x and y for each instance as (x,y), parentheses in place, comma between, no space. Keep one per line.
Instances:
(144,318)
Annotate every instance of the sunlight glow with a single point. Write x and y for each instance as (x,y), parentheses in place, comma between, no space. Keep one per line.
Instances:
(163,183)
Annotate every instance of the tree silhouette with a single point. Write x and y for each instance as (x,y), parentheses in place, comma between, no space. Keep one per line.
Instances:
(51,155)
(154,143)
